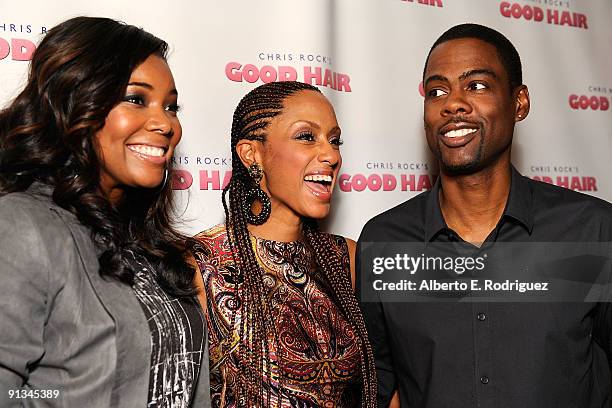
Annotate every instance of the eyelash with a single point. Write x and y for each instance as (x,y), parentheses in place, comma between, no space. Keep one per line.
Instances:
(432,92)
(473,85)
(305,136)
(310,137)
(135,99)
(139,100)
(175,107)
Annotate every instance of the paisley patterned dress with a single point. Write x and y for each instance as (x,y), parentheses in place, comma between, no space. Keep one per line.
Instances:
(318,351)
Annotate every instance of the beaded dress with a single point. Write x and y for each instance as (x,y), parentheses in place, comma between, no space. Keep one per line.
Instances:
(318,351)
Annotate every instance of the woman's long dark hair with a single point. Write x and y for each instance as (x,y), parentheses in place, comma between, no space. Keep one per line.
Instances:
(78,73)
(251,118)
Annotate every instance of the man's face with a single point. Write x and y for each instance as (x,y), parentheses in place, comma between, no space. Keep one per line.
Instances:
(469,110)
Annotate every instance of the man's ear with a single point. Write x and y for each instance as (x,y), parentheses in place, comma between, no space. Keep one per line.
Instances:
(522,103)
(249,152)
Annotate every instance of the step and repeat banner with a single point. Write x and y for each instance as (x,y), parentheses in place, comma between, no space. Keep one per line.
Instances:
(367,57)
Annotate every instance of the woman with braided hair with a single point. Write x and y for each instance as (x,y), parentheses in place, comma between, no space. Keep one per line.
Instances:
(285,329)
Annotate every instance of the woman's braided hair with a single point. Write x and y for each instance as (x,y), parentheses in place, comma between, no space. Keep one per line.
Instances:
(251,118)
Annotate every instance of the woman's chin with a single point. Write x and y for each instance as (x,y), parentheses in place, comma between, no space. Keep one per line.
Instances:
(148,184)
(318,212)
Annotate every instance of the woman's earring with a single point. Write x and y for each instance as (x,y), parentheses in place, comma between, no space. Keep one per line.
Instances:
(165,180)
(257,194)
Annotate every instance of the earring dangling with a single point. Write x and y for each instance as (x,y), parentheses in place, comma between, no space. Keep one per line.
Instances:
(257,194)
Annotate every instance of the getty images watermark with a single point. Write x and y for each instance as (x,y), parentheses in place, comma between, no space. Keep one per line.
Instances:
(505,272)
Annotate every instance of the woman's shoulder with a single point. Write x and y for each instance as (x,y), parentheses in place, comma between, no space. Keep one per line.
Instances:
(212,234)
(22,217)
(34,204)
(32,211)
(209,243)
(36,237)
(343,247)
(26,202)
(341,243)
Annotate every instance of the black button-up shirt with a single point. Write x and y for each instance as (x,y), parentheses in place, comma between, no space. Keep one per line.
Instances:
(495,355)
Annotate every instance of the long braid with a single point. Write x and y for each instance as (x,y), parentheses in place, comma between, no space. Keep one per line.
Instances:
(340,284)
(250,120)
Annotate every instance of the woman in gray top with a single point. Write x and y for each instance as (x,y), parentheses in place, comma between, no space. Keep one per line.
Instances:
(97,304)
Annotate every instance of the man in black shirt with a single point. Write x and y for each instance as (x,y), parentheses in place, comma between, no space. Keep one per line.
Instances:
(519,355)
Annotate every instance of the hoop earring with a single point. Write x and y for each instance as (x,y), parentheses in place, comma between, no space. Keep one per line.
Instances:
(257,194)
(164,181)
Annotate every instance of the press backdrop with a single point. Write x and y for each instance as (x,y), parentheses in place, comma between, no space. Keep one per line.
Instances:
(367,56)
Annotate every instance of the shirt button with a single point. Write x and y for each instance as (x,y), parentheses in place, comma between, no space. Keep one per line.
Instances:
(484,379)
(481,316)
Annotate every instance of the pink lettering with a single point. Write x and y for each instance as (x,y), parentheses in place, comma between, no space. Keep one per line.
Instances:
(206,180)
(309,75)
(5,48)
(232,71)
(181,179)
(22,49)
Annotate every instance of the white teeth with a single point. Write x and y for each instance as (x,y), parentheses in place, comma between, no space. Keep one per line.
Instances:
(148,150)
(319,177)
(459,132)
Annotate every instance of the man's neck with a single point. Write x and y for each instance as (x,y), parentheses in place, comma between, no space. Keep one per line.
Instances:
(473,204)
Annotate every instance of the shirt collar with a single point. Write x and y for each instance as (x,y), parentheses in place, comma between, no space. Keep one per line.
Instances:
(518,206)
(520,201)
(434,220)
